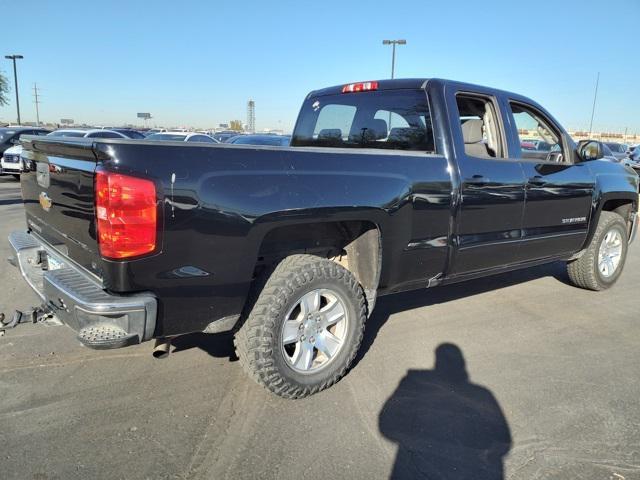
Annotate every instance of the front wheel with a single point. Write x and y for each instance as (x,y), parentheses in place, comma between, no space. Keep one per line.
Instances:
(305,327)
(601,264)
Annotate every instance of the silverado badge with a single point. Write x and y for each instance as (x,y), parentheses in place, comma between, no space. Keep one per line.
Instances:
(45,201)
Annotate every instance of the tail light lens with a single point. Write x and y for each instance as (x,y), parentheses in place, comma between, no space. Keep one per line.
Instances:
(126,215)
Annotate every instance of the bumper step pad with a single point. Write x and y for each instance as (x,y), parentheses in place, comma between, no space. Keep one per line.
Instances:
(105,337)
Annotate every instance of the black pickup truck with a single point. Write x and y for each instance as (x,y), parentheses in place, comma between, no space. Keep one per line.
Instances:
(388,186)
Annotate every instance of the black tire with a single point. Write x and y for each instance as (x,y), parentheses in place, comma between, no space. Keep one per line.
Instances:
(16,176)
(584,271)
(258,341)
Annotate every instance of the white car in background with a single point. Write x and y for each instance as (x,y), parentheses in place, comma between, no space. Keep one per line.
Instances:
(11,163)
(181,137)
(98,133)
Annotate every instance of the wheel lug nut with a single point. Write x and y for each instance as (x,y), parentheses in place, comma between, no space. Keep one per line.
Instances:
(312,339)
(302,338)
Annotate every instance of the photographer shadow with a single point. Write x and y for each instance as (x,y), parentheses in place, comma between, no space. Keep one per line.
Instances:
(445,426)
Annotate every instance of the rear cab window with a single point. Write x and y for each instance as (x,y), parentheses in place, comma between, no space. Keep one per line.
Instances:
(383,119)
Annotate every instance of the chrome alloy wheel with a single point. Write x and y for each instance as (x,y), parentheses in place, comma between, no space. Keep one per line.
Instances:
(314,331)
(610,253)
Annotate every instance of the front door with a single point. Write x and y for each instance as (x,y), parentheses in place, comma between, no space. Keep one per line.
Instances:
(558,192)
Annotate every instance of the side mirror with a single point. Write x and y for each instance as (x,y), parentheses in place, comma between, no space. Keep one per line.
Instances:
(589,150)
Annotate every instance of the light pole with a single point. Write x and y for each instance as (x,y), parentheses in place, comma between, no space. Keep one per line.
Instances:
(15,79)
(393,44)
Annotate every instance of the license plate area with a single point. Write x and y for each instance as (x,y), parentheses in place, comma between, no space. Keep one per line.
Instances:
(53,263)
(48,262)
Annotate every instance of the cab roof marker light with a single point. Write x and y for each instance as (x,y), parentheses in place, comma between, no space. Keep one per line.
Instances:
(360,87)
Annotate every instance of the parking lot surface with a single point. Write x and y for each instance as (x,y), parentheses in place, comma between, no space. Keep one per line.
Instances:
(518,375)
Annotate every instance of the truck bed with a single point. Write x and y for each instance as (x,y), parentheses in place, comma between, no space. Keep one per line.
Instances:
(217,205)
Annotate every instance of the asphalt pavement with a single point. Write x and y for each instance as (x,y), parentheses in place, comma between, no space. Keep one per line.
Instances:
(517,376)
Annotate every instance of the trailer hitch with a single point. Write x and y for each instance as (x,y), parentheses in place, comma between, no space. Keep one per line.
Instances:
(35,315)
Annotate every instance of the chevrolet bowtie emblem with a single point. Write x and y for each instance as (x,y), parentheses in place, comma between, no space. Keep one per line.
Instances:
(45,201)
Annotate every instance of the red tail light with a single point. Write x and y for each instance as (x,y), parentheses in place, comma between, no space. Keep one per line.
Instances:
(125,214)
(360,87)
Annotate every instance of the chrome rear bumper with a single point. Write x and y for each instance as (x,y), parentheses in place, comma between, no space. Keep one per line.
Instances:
(102,319)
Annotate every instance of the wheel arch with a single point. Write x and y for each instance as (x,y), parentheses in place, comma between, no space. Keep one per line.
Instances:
(356,244)
(623,203)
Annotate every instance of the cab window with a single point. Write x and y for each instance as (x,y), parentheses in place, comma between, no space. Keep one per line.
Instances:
(381,119)
(481,132)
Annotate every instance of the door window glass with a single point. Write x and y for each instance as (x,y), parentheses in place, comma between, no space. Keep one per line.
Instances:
(538,138)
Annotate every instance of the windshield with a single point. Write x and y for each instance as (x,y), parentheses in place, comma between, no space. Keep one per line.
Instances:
(67,133)
(615,147)
(167,137)
(130,133)
(6,135)
(387,119)
(606,151)
(277,140)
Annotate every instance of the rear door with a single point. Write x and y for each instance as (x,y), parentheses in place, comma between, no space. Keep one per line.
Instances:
(58,193)
(559,193)
(492,186)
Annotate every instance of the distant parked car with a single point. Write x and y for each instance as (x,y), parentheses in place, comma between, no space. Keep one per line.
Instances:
(10,164)
(151,131)
(618,150)
(274,140)
(10,136)
(634,153)
(225,136)
(181,137)
(10,148)
(97,133)
(543,146)
(607,155)
(130,133)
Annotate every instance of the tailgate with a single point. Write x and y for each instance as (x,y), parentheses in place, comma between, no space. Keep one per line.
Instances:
(58,194)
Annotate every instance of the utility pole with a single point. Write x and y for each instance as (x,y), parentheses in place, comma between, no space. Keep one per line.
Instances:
(15,80)
(393,44)
(37,102)
(593,109)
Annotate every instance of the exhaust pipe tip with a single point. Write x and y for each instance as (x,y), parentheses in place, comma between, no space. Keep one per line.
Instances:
(162,348)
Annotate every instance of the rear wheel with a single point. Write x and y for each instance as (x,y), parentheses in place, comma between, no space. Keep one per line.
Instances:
(305,327)
(601,264)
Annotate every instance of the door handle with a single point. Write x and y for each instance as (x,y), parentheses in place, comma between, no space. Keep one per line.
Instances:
(537,180)
(477,180)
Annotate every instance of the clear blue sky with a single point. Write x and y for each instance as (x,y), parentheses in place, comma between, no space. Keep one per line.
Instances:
(197,63)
